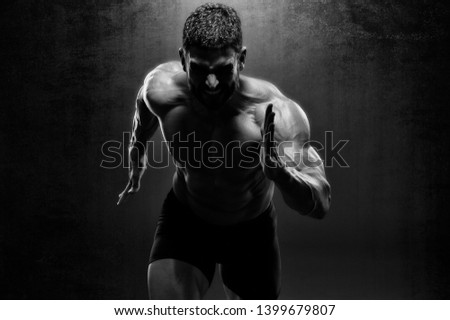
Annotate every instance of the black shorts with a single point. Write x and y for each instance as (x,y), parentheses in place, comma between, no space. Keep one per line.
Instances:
(248,252)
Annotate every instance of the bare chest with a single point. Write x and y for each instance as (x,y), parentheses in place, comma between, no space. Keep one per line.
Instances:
(222,141)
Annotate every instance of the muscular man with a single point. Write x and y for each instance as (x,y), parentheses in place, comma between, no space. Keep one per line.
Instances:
(233,138)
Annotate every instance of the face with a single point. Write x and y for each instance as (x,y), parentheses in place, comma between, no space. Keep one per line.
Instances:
(213,74)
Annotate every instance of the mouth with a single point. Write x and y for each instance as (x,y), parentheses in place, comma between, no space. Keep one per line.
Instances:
(212,92)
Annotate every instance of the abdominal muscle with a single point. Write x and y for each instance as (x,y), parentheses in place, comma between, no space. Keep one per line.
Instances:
(226,197)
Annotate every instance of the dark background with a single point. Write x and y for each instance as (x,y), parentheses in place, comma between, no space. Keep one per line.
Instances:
(372,72)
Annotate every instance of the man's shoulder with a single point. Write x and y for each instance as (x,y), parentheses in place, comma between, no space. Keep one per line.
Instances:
(260,89)
(267,93)
(164,83)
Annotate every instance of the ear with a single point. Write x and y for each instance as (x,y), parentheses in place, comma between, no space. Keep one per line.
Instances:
(182,58)
(242,56)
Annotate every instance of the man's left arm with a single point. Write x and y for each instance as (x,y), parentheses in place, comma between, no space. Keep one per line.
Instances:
(292,163)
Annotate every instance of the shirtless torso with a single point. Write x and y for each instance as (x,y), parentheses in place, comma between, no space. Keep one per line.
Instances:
(217,153)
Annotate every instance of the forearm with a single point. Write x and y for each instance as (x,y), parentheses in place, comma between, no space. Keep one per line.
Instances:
(306,191)
(138,156)
(290,161)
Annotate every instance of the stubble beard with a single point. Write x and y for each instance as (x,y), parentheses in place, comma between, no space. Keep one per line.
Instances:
(215,102)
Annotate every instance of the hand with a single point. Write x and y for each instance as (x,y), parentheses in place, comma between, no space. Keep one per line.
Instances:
(133,186)
(270,160)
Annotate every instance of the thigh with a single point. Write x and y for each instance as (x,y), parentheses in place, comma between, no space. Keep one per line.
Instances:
(255,277)
(170,279)
(180,251)
(252,269)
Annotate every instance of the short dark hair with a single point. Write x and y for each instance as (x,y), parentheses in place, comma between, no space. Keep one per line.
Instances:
(213,25)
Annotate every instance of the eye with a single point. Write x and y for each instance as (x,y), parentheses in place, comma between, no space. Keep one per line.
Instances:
(225,70)
(195,68)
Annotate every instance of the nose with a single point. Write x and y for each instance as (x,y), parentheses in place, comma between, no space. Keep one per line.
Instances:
(211,81)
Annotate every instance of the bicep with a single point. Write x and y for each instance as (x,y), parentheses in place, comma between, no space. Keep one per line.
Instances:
(293,136)
(301,156)
(291,122)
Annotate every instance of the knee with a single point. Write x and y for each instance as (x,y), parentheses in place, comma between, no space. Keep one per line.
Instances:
(162,284)
(173,280)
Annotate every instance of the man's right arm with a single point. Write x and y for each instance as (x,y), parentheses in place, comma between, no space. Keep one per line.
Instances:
(145,124)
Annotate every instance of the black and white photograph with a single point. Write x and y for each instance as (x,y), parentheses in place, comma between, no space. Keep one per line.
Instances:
(201,150)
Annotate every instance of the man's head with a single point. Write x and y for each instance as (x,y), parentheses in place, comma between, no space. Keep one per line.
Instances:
(212,54)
